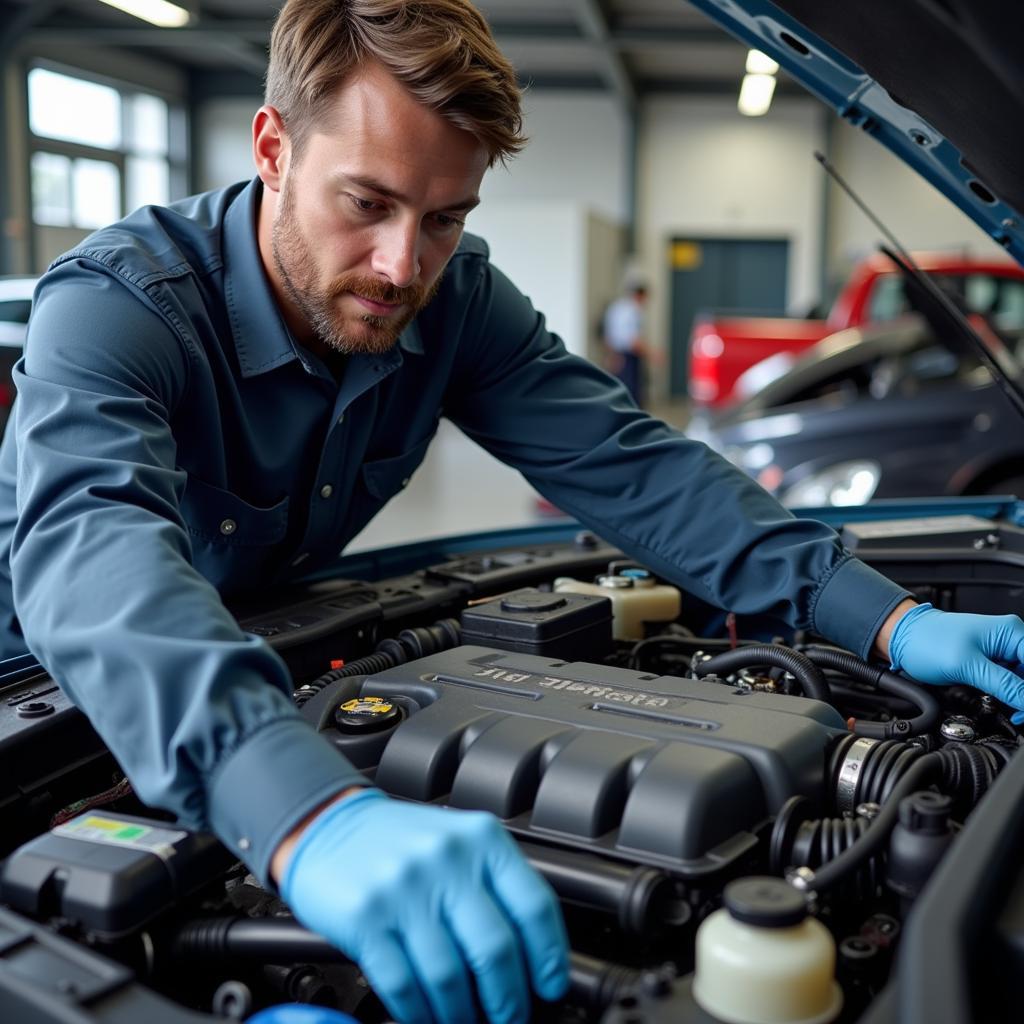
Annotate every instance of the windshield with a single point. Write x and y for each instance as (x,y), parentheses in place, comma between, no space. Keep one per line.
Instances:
(1001,299)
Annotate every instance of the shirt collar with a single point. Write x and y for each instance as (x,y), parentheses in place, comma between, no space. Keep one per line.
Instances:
(262,340)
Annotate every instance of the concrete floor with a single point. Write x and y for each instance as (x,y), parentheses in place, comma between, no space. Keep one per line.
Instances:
(460,488)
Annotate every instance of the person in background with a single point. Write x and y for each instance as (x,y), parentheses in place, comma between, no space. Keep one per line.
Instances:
(218,395)
(624,332)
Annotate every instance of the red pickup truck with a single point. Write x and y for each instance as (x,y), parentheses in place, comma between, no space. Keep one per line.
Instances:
(724,347)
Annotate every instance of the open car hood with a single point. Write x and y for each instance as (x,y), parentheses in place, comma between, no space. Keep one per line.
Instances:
(939,82)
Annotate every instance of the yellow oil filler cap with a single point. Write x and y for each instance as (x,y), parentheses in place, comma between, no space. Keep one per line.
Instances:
(367,714)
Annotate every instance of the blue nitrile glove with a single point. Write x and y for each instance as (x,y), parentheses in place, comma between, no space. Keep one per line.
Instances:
(300,1013)
(420,897)
(953,647)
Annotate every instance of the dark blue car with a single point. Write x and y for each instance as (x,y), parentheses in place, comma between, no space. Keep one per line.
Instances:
(885,412)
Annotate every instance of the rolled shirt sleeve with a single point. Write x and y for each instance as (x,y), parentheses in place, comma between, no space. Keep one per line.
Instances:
(197,712)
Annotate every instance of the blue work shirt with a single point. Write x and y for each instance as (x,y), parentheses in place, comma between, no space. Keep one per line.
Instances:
(172,444)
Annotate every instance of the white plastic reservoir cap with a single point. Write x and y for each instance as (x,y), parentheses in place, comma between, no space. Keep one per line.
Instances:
(763,960)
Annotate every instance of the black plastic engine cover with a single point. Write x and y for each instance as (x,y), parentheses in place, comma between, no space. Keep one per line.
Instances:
(655,769)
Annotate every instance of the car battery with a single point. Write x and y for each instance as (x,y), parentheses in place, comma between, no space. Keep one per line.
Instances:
(110,873)
(576,627)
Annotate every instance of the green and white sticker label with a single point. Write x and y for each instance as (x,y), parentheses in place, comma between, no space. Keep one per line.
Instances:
(94,828)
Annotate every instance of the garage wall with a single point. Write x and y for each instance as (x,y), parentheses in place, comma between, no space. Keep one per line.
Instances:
(577,152)
(704,169)
(222,142)
(552,274)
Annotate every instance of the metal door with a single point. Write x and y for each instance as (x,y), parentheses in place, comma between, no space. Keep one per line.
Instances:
(735,275)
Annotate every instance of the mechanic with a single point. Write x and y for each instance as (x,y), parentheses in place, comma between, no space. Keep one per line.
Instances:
(218,395)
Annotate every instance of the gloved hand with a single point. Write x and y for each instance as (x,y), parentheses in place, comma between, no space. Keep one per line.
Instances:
(953,647)
(418,897)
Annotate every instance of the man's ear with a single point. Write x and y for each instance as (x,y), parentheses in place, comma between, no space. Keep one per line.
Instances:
(271,148)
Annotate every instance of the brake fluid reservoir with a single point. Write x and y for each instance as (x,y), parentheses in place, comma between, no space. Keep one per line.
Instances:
(636,598)
(763,960)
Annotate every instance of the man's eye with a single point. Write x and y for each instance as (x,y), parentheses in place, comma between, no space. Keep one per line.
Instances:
(446,220)
(364,205)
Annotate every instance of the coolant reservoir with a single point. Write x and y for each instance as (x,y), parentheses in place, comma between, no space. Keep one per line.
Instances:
(762,960)
(636,598)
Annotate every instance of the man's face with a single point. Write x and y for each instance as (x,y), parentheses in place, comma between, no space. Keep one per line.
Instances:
(369,214)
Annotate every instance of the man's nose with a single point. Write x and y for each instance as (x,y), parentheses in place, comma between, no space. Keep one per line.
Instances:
(397,253)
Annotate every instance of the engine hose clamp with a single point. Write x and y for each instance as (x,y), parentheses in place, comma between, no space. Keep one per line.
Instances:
(849,774)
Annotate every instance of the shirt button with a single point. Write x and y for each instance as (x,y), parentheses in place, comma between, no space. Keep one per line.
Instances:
(228,527)
(326,491)
(341,419)
(405,482)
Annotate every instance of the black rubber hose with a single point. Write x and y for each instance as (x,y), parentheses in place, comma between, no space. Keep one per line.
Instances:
(596,983)
(643,899)
(410,643)
(847,693)
(798,838)
(371,663)
(924,771)
(811,679)
(887,682)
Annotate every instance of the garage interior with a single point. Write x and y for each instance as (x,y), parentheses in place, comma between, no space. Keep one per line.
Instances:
(756,732)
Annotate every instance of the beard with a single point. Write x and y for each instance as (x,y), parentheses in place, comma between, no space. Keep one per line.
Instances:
(345,333)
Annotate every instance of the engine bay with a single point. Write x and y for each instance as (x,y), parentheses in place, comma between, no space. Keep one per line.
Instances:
(656,759)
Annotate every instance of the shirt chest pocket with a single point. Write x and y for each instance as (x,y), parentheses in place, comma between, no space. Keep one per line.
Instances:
(384,478)
(215,516)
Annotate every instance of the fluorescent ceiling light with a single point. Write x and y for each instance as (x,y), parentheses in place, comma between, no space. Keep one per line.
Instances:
(157,12)
(759,63)
(756,94)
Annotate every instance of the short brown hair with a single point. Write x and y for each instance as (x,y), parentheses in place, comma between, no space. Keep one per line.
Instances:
(441,50)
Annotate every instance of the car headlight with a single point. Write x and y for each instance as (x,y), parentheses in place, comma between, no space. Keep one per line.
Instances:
(846,483)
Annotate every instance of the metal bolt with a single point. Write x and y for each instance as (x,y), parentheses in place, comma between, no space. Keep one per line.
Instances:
(869,810)
(800,878)
(958,729)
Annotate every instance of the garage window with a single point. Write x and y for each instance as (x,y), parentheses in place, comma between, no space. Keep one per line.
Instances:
(99,149)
